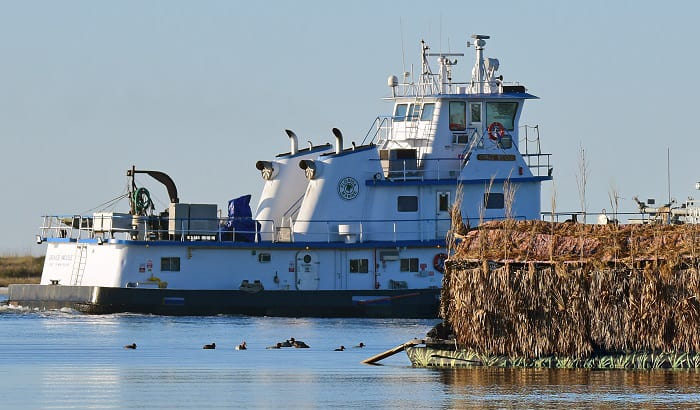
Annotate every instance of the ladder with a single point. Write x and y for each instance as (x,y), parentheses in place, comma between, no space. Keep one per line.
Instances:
(79,261)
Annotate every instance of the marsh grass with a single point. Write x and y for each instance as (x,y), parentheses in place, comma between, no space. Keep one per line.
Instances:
(605,289)
(20,269)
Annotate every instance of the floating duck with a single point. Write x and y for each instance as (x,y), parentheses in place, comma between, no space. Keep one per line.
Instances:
(242,346)
(361,345)
(131,346)
(298,344)
(340,349)
(277,346)
(210,346)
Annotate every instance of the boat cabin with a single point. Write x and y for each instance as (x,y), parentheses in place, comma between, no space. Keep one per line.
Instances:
(403,179)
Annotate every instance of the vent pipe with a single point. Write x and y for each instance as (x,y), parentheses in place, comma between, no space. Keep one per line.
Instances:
(293,140)
(338,140)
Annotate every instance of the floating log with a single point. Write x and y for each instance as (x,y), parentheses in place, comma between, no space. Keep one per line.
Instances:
(392,351)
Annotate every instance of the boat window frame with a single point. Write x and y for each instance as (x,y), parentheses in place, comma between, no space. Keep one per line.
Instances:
(494,200)
(170,264)
(443,201)
(413,112)
(472,118)
(508,122)
(408,265)
(407,203)
(359,265)
(457,116)
(425,112)
(400,116)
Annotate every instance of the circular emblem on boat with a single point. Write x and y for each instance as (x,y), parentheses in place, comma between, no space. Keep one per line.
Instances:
(348,188)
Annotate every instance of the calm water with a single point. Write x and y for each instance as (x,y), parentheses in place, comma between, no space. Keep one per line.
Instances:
(67,360)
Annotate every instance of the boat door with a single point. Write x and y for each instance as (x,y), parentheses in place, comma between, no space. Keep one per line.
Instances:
(475,121)
(307,271)
(442,214)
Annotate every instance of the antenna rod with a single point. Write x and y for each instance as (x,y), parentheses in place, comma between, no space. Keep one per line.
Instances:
(668,172)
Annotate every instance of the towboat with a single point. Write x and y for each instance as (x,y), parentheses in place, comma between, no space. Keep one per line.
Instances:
(340,230)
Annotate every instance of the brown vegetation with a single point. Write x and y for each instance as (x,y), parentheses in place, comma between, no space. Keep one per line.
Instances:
(20,269)
(540,289)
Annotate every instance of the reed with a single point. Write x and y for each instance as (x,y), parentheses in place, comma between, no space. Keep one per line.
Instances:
(457,230)
(509,190)
(482,210)
(553,203)
(574,290)
(469,358)
(582,182)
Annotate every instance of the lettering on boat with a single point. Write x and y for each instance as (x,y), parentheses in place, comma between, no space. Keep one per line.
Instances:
(495,157)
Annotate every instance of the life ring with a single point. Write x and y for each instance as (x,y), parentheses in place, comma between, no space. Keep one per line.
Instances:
(496,130)
(439,262)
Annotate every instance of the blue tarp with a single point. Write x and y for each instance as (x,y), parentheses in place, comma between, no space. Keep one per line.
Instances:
(240,219)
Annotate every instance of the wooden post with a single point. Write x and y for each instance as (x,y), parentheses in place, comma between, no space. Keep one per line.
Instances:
(392,351)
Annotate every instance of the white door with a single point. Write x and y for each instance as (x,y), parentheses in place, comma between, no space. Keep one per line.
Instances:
(475,119)
(442,216)
(307,271)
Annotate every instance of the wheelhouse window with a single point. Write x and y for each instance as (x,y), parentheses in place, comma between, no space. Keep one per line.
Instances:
(407,203)
(503,112)
(494,200)
(427,113)
(359,265)
(458,116)
(400,112)
(413,112)
(170,264)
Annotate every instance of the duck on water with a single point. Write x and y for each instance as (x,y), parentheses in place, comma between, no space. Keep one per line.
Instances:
(340,230)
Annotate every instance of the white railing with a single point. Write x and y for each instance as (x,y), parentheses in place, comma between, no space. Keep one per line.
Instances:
(153,228)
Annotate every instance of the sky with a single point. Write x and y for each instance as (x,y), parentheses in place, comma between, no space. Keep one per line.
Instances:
(201,90)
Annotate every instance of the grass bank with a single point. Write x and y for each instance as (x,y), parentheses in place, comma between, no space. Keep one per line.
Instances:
(20,269)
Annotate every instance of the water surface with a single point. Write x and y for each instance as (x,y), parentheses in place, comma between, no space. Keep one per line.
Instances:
(63,359)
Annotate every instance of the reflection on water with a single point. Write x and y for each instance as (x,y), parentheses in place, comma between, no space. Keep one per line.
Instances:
(499,387)
(68,360)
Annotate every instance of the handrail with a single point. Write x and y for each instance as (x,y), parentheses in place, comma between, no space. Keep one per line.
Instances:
(152,228)
(381,119)
(612,217)
(77,228)
(296,204)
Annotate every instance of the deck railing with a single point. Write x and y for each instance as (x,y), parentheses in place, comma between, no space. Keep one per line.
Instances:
(59,228)
(153,228)
(603,217)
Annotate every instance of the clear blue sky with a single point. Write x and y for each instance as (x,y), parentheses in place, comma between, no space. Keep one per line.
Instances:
(203,89)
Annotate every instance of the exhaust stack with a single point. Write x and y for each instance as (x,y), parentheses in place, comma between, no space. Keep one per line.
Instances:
(293,140)
(338,140)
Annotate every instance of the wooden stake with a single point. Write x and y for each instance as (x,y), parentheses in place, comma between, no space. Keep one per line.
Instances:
(392,351)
